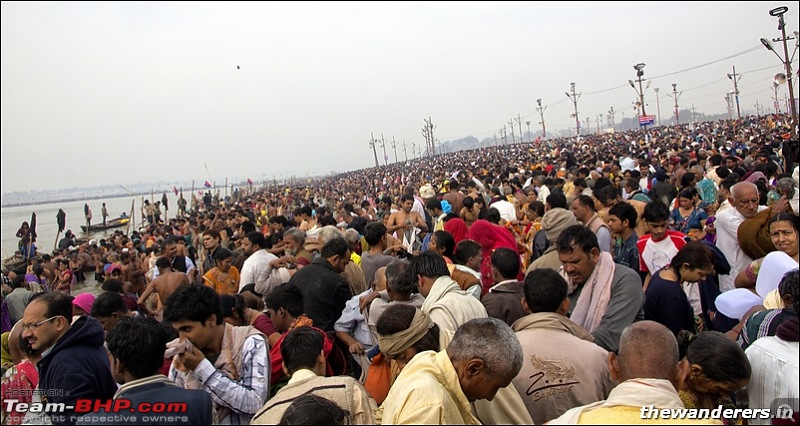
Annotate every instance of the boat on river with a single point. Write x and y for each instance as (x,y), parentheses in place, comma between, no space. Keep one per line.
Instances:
(113,223)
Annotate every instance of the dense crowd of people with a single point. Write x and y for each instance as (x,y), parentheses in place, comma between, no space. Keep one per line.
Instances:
(578,280)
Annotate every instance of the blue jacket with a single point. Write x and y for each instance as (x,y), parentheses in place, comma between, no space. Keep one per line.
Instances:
(76,367)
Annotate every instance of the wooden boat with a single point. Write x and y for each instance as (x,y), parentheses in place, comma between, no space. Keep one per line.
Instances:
(113,223)
(16,263)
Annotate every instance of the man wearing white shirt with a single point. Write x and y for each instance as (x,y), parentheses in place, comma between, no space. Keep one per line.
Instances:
(774,363)
(744,199)
(257,259)
(507,210)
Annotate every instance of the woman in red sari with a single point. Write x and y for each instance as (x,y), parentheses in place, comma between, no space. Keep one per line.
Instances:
(491,237)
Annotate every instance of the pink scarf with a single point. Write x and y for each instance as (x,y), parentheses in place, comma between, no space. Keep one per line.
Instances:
(593,301)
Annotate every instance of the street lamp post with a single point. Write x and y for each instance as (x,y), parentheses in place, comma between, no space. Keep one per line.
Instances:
(734,77)
(639,74)
(779,12)
(675,96)
(530,136)
(541,114)
(574,98)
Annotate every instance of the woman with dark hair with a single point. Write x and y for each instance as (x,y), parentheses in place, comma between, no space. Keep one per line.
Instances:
(36,279)
(687,215)
(443,243)
(224,277)
(236,313)
(718,368)
(665,301)
(784,231)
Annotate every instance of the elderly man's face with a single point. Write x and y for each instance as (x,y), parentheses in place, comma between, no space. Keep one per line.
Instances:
(746,201)
(482,384)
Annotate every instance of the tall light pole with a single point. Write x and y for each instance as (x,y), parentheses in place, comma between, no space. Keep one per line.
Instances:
(574,97)
(728,105)
(658,106)
(530,137)
(779,12)
(775,103)
(734,77)
(372,145)
(613,124)
(541,114)
(639,74)
(675,96)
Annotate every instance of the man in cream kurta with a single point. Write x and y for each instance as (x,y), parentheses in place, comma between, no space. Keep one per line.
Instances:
(437,388)
(428,392)
(450,307)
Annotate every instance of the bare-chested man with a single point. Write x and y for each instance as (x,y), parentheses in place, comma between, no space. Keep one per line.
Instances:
(164,285)
(132,271)
(405,218)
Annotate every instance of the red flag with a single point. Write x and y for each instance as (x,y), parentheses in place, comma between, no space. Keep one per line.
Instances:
(208,184)
(175,190)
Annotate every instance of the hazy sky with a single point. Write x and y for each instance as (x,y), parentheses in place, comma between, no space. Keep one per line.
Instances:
(117,92)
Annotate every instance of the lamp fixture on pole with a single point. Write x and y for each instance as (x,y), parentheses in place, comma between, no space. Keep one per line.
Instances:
(787,62)
(639,74)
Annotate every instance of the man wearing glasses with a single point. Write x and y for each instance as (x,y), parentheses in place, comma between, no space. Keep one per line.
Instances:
(74,362)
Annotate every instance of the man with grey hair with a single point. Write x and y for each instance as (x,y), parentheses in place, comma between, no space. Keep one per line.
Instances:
(437,388)
(294,241)
(648,371)
(787,187)
(400,284)
(744,199)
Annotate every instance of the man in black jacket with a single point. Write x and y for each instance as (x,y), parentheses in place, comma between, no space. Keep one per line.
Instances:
(74,362)
(325,292)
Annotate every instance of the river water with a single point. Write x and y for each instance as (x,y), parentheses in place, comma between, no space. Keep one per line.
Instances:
(47,226)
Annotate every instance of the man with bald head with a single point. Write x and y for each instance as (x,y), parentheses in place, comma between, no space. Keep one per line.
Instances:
(648,372)
(744,199)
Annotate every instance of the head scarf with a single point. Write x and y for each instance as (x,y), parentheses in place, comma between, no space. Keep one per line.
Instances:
(491,237)
(396,343)
(457,228)
(755,176)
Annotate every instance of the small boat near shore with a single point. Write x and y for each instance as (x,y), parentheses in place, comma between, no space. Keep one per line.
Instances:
(17,263)
(113,223)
